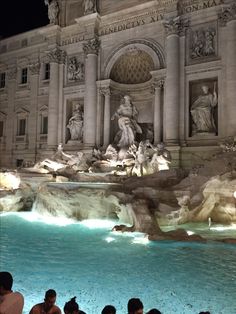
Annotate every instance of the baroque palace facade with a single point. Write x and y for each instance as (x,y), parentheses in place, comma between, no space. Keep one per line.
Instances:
(175,59)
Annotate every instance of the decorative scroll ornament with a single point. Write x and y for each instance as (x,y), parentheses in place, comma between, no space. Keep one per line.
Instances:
(92,46)
(75,70)
(57,55)
(34,68)
(176,26)
(228,14)
(106,91)
(11,73)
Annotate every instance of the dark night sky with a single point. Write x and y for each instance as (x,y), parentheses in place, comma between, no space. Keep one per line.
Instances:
(17,16)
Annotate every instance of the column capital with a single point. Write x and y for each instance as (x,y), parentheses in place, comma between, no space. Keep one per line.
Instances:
(228,14)
(57,55)
(176,26)
(106,91)
(91,46)
(157,84)
(34,68)
(12,72)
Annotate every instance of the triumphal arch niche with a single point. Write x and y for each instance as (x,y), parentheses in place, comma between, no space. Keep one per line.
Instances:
(130,71)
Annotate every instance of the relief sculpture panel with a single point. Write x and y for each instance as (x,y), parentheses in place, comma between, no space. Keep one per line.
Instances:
(202,43)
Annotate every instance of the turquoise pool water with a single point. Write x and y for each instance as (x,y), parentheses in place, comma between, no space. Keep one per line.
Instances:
(101,267)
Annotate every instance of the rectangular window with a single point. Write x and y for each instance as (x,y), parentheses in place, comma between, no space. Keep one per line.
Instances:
(22,126)
(47,71)
(1,128)
(24,74)
(44,125)
(2,80)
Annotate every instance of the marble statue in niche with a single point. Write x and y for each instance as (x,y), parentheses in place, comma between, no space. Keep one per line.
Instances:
(89,6)
(202,111)
(76,123)
(127,115)
(53,11)
(75,70)
(203,43)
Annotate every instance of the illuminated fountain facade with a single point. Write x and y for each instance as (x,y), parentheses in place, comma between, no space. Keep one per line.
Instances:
(63,83)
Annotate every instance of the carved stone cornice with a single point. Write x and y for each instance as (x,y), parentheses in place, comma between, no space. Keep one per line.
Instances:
(106,91)
(12,73)
(228,14)
(176,26)
(92,46)
(34,68)
(57,55)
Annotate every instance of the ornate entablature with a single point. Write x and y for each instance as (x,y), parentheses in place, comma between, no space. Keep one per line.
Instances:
(57,55)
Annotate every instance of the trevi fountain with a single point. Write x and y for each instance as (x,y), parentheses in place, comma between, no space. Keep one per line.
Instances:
(118,156)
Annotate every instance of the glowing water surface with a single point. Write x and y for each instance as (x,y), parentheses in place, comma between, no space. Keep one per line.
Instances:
(101,267)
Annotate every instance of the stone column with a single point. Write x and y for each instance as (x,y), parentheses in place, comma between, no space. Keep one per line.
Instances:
(107,116)
(10,136)
(228,18)
(157,86)
(173,28)
(60,104)
(56,57)
(90,98)
(33,117)
(99,132)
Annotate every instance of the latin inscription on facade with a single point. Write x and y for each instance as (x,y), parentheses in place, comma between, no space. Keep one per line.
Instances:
(192,6)
(106,30)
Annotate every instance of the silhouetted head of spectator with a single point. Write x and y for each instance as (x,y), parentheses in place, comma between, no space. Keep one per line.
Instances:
(135,306)
(207,312)
(6,282)
(50,299)
(154,311)
(71,307)
(109,309)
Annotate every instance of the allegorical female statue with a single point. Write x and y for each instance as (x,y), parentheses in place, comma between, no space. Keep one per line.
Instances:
(127,115)
(75,124)
(202,111)
(53,11)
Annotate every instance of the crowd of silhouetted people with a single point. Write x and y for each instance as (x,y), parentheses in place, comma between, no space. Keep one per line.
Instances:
(13,302)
